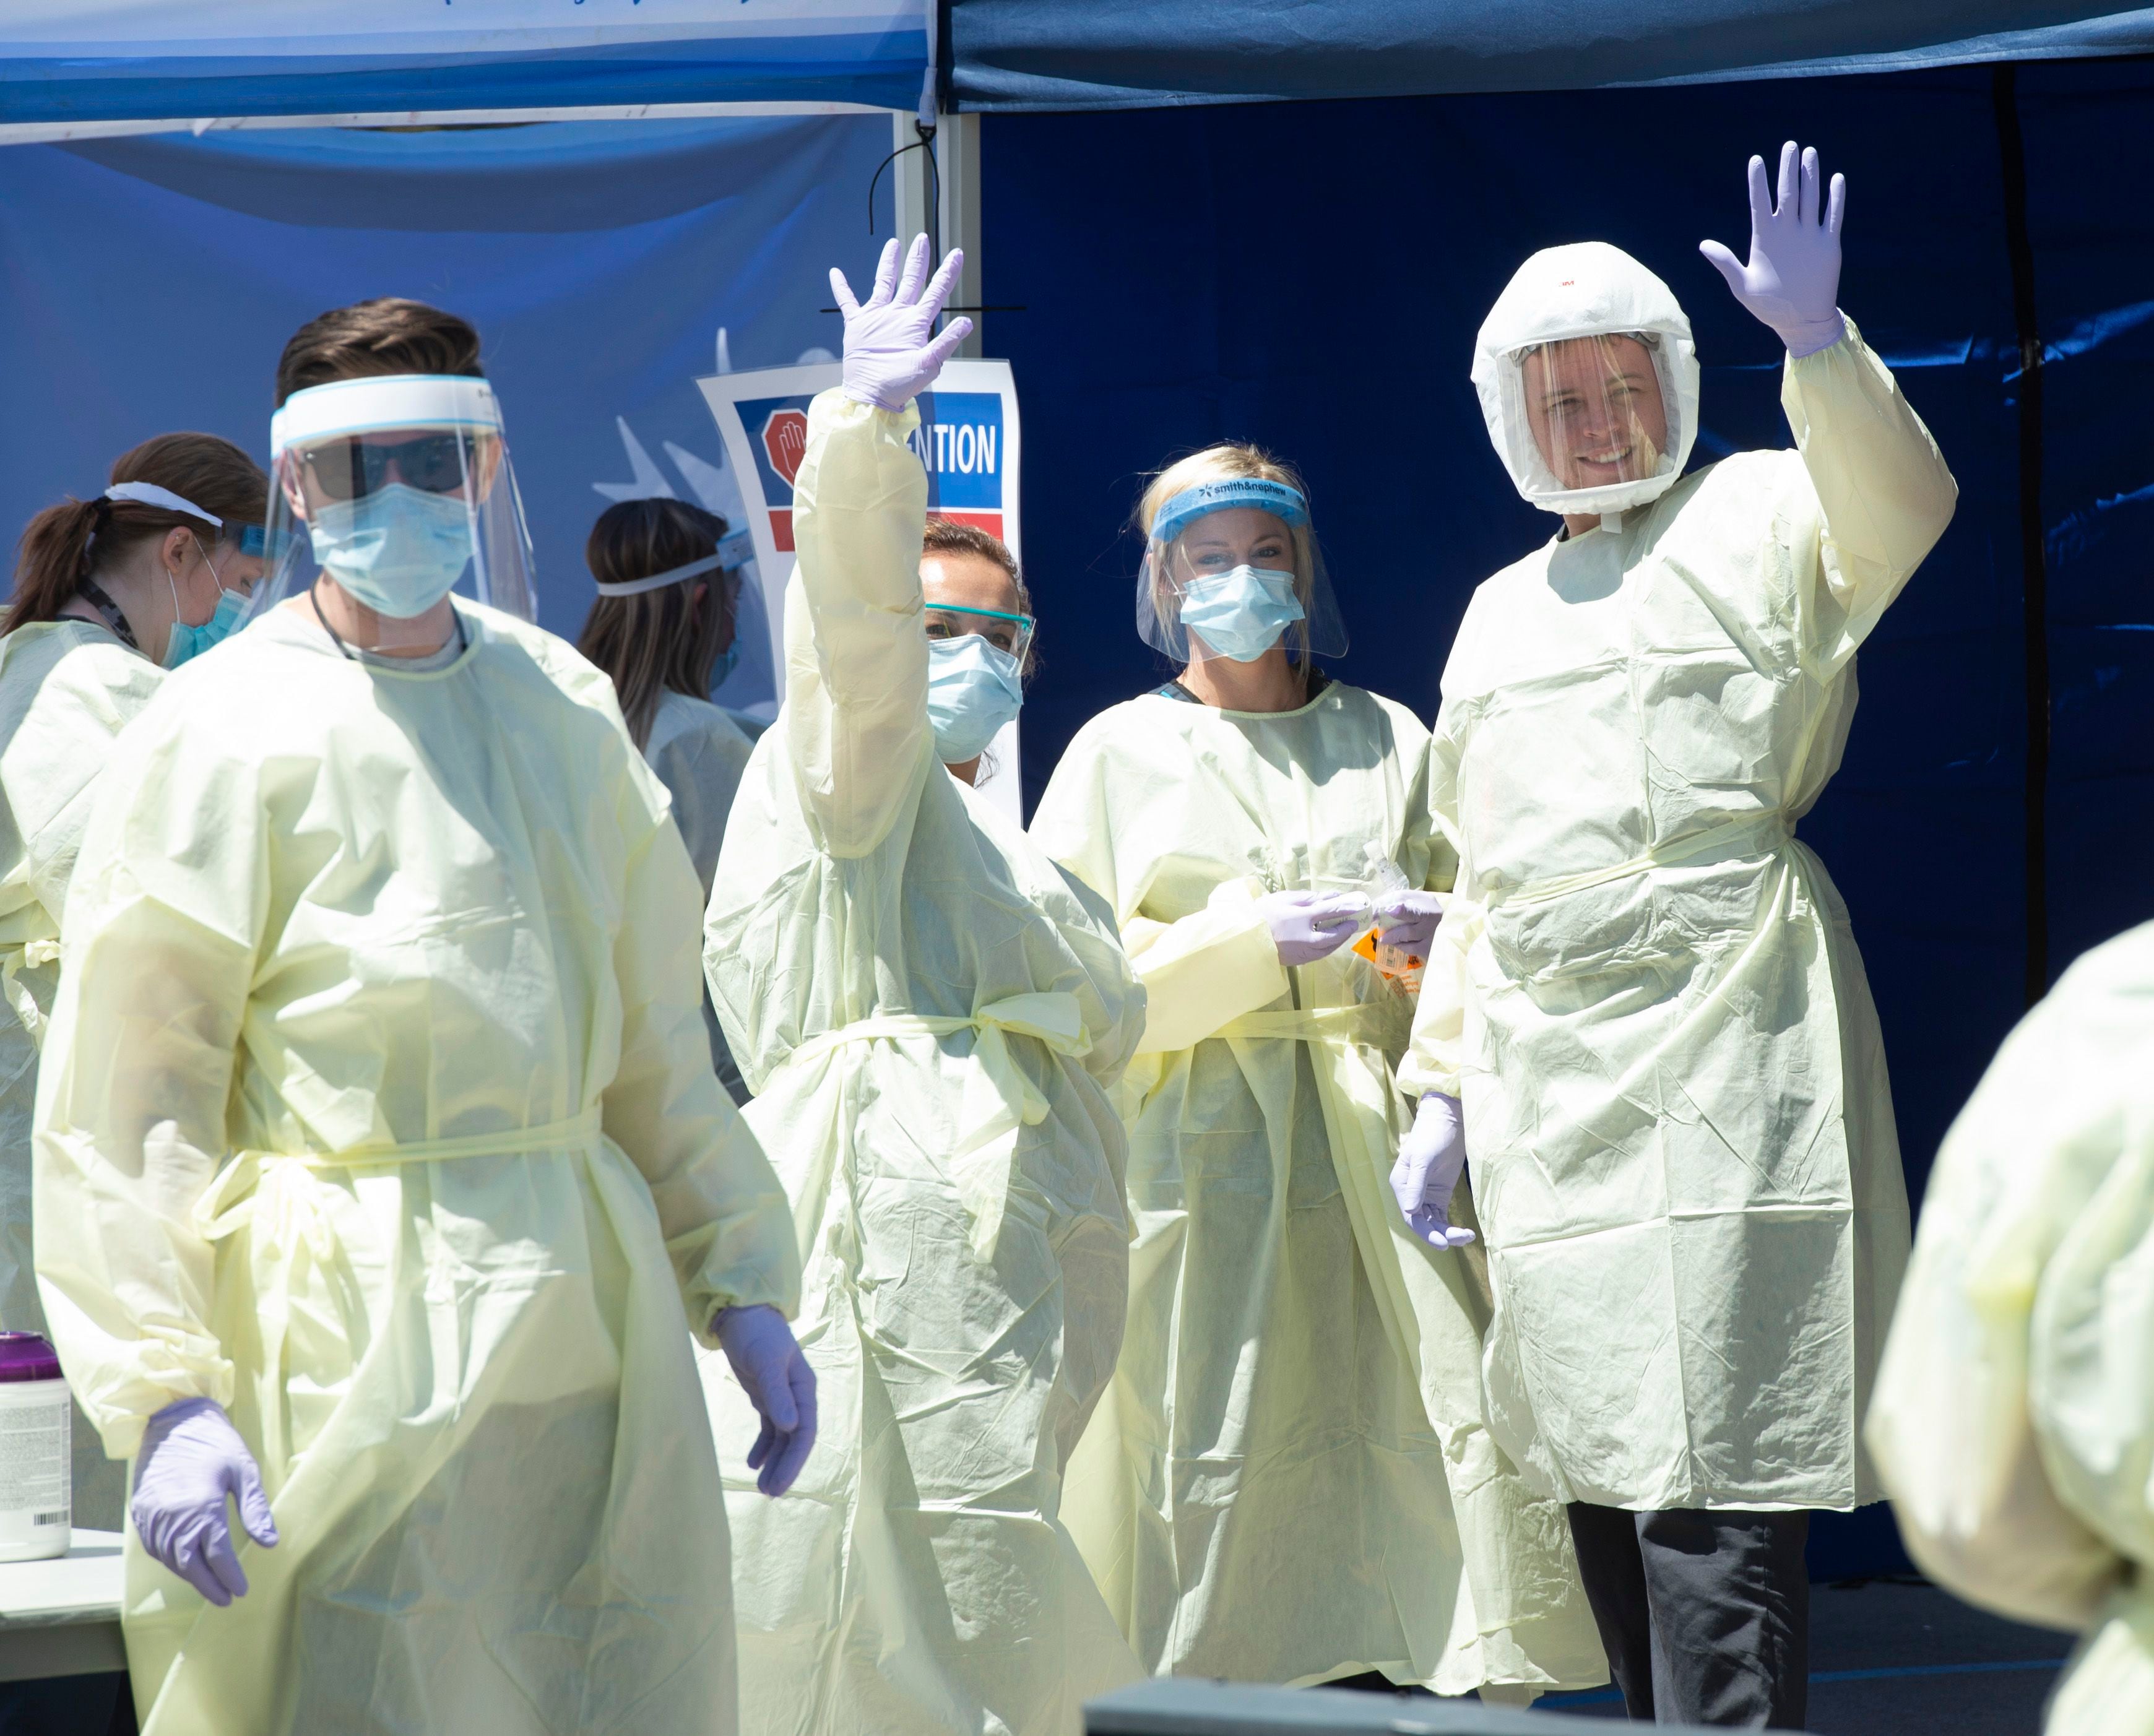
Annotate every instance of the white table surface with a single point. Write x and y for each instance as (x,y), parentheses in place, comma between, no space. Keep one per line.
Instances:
(85,1585)
(62,1617)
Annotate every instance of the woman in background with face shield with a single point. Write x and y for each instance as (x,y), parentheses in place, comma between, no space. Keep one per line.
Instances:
(1647,993)
(382,1174)
(109,593)
(1288,1480)
(665,628)
(931,1015)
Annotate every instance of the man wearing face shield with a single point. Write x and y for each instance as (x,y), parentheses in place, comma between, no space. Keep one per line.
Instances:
(1290,1479)
(1647,996)
(379,1160)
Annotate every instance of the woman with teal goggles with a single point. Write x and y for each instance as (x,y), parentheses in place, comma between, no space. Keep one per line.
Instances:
(979,641)
(110,592)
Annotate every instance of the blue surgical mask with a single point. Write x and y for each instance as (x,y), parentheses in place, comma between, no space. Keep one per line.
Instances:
(722,671)
(1240,614)
(185,642)
(399,550)
(974,688)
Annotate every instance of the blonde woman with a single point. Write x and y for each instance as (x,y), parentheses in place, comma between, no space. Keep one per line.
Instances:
(665,629)
(1288,1479)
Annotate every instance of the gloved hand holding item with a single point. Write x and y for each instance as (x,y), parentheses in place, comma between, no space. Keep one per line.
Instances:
(1792,281)
(1409,919)
(1432,1158)
(892,352)
(779,1384)
(1309,925)
(193,1457)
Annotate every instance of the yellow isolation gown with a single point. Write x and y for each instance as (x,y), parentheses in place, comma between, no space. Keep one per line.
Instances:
(931,1015)
(1648,993)
(1290,1479)
(2014,1424)
(66,689)
(376,1107)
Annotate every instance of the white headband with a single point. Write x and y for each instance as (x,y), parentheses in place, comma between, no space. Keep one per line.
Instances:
(735,551)
(377,402)
(150,495)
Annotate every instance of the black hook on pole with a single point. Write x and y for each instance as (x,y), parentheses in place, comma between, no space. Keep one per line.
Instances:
(927,143)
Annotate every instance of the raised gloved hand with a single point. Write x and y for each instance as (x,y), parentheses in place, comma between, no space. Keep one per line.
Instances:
(1792,281)
(1408,920)
(779,1384)
(892,352)
(192,1459)
(1432,1158)
(1309,925)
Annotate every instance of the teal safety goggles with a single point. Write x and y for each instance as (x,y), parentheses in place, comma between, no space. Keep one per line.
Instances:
(1010,633)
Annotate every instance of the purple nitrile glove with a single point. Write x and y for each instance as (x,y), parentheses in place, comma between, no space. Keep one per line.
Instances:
(1432,1158)
(778,1383)
(1309,925)
(892,352)
(1408,920)
(192,1459)
(1792,281)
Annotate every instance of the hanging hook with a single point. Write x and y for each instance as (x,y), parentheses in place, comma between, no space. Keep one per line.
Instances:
(927,143)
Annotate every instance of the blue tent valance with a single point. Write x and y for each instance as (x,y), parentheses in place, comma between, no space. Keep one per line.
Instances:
(89,62)
(1041,54)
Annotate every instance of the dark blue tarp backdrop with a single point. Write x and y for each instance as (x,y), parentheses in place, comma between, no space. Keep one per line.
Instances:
(1310,276)
(1034,54)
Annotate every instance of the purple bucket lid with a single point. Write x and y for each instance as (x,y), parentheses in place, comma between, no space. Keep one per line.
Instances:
(25,1356)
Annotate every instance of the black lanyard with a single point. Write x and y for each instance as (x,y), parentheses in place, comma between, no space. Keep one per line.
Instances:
(93,593)
(338,638)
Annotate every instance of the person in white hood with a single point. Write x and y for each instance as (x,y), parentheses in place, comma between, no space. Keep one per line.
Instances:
(1645,1003)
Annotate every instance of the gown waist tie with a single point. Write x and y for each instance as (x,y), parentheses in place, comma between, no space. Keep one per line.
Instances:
(999,1099)
(280,1198)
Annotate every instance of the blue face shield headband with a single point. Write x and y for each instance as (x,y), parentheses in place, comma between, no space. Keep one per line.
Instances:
(1181,510)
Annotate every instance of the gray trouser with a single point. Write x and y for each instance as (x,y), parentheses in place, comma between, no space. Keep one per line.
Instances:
(1705,1615)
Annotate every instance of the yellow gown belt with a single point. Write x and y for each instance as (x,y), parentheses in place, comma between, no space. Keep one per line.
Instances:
(293,1247)
(1000,1099)
(1757,835)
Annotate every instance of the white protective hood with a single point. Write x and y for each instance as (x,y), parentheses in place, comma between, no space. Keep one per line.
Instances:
(1585,289)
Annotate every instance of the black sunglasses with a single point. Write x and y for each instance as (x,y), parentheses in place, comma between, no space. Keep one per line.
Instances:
(436,463)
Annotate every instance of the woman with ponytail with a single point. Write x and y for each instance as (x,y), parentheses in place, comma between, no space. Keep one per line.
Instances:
(109,593)
(663,621)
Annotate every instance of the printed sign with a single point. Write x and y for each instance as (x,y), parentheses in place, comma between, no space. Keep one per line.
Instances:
(966,441)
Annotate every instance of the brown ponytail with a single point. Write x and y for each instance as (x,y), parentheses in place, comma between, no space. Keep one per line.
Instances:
(78,539)
(646,642)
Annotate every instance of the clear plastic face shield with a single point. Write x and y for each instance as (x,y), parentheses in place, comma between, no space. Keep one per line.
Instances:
(232,552)
(1588,381)
(1597,407)
(398,490)
(1231,569)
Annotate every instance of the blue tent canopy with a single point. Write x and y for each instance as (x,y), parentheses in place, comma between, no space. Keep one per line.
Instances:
(91,61)
(1040,54)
